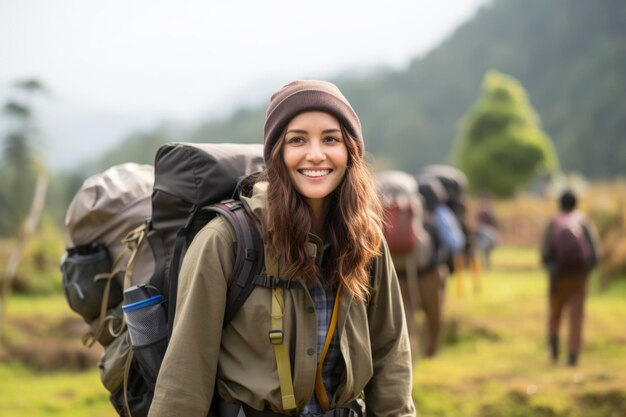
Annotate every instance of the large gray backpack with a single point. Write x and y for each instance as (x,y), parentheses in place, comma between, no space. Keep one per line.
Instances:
(107,223)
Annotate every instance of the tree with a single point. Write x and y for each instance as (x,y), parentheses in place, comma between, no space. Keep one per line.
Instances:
(501,146)
(19,165)
(22,177)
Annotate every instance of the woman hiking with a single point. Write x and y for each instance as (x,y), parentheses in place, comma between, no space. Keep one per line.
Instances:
(333,330)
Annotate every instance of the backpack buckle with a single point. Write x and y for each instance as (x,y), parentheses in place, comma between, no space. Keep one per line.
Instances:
(276,337)
(272,281)
(250,254)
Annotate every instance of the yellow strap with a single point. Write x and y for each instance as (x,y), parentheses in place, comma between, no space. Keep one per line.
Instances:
(320,389)
(277,338)
(90,338)
(458,274)
(133,240)
(476,274)
(280,350)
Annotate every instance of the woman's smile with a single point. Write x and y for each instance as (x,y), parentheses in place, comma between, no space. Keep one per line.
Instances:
(315,173)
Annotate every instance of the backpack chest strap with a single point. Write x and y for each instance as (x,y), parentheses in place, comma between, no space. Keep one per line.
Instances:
(271,281)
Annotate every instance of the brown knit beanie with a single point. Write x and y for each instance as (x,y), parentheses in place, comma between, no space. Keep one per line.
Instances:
(307,95)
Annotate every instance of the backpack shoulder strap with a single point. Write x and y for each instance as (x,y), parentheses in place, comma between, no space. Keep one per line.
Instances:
(248,256)
(158,281)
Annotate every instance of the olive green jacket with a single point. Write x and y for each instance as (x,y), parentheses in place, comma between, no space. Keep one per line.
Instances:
(239,361)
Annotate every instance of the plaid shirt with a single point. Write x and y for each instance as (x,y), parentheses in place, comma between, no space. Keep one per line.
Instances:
(324,299)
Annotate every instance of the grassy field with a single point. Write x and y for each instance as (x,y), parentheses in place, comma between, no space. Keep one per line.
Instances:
(494,362)
(40,369)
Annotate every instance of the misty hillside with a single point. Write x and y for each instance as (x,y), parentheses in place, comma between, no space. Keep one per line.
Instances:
(570,55)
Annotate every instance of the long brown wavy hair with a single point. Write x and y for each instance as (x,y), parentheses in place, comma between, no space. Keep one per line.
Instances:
(352,227)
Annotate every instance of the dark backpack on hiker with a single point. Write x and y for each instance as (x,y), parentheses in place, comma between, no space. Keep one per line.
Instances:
(192,184)
(453,235)
(432,194)
(442,219)
(571,249)
(453,180)
(454,184)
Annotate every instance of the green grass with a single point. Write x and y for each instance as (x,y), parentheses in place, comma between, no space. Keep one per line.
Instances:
(25,392)
(494,362)
(27,389)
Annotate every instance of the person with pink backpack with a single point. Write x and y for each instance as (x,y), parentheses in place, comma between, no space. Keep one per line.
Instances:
(569,252)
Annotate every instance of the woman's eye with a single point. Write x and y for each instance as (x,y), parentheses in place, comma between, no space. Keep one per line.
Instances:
(331,139)
(295,140)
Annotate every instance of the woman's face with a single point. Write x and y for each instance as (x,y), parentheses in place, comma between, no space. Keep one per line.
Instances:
(315,155)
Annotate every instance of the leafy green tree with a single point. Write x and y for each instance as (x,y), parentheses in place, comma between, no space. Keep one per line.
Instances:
(501,146)
(19,163)
(22,178)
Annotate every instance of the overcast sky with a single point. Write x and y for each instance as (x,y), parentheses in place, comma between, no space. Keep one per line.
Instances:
(182,58)
(177,57)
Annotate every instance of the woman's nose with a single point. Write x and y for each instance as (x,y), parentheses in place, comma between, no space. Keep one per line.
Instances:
(315,152)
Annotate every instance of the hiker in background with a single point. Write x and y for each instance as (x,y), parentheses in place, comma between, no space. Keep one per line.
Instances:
(451,223)
(569,251)
(454,185)
(335,315)
(433,268)
(486,232)
(402,227)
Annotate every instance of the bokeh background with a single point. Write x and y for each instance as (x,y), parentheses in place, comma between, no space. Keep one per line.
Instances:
(526,97)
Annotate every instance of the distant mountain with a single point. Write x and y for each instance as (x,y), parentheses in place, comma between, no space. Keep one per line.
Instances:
(570,55)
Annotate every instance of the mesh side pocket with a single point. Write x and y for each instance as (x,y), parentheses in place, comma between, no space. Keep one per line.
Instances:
(83,294)
(146,325)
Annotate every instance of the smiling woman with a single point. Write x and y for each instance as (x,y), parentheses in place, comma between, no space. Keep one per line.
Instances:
(334,315)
